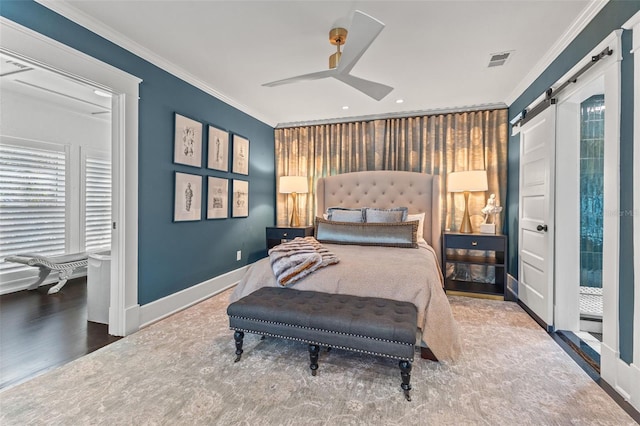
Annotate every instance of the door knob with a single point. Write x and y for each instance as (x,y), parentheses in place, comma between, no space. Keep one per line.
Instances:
(542,228)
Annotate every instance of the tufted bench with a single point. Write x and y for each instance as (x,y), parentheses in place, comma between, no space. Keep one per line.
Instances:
(369,325)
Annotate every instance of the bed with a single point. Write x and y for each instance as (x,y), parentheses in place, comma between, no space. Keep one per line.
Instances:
(404,274)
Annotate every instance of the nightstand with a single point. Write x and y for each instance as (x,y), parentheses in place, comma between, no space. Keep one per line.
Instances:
(460,249)
(275,234)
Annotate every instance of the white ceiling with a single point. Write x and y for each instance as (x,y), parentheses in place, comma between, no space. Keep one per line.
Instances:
(434,53)
(32,81)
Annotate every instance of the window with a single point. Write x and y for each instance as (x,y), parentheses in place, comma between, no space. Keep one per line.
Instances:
(97,191)
(32,200)
(54,199)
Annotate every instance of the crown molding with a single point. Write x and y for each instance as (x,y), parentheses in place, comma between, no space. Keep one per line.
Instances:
(403,114)
(63,8)
(589,12)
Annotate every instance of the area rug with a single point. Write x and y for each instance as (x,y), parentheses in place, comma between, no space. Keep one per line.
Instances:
(180,371)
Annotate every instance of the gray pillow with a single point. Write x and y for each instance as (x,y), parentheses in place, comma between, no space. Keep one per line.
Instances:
(342,214)
(400,234)
(397,214)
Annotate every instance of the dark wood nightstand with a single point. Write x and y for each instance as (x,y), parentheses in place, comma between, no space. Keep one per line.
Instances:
(459,249)
(275,234)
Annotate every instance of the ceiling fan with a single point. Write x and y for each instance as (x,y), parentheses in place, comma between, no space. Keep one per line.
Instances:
(363,31)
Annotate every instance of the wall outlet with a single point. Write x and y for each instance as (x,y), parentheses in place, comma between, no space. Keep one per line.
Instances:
(239,255)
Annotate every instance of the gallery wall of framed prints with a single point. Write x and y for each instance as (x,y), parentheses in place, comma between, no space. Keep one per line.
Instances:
(222,147)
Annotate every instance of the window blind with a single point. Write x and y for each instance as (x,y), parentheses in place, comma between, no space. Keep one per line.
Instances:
(32,203)
(98,203)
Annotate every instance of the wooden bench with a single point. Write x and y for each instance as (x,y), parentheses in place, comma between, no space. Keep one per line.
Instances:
(369,325)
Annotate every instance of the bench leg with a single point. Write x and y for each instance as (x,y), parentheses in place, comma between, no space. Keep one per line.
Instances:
(313,356)
(405,373)
(42,275)
(238,336)
(63,276)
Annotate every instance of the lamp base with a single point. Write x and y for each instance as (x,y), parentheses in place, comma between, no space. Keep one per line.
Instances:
(295,219)
(465,225)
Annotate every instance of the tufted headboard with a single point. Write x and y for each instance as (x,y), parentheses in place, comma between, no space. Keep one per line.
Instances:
(384,189)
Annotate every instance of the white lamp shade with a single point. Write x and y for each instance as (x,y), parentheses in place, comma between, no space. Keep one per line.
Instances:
(472,180)
(290,184)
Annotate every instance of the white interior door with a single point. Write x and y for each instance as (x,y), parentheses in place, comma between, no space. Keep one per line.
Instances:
(535,257)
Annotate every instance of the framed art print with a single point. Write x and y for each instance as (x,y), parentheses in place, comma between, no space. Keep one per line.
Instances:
(187,201)
(218,149)
(217,198)
(240,201)
(240,155)
(187,141)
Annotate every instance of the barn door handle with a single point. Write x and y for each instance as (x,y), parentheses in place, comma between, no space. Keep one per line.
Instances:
(542,228)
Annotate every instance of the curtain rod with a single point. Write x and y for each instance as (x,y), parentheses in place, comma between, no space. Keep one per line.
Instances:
(405,114)
(549,99)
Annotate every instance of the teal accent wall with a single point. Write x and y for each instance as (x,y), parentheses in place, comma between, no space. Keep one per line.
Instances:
(175,256)
(612,16)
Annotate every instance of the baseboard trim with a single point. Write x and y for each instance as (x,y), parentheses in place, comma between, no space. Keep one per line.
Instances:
(131,319)
(536,318)
(176,302)
(622,377)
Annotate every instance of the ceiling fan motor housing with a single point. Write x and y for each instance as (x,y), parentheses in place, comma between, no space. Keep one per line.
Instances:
(337,37)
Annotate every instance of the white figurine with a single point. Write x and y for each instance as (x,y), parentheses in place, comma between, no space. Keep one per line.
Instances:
(491,209)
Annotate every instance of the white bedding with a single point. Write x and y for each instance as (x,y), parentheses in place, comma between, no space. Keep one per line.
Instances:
(411,275)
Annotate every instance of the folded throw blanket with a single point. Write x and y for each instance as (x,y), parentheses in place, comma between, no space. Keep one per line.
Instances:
(293,260)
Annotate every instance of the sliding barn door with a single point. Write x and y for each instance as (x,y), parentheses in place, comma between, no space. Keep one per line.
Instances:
(535,260)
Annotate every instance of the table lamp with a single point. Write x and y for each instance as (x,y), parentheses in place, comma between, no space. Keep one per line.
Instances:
(294,185)
(466,182)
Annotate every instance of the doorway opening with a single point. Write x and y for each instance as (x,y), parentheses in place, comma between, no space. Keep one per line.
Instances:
(592,112)
(580,219)
(38,50)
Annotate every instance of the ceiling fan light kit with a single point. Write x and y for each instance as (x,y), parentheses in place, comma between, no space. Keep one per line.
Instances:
(337,37)
(364,29)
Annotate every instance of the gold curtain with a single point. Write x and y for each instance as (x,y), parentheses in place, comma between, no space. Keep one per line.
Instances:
(435,144)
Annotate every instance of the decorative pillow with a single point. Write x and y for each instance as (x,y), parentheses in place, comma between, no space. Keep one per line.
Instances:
(420,218)
(399,234)
(397,214)
(342,214)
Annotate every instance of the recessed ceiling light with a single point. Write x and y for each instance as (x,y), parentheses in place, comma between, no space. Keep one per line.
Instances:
(399,101)
(102,93)
(345,107)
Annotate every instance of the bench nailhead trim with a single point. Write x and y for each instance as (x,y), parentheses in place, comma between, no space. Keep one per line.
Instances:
(312,342)
(321,329)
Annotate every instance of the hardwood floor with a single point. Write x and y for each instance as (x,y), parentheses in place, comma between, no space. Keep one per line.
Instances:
(39,331)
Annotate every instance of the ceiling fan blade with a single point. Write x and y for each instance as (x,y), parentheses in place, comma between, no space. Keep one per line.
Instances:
(363,30)
(370,88)
(305,77)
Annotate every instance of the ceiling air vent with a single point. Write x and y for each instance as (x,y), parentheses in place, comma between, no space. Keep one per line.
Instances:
(499,59)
